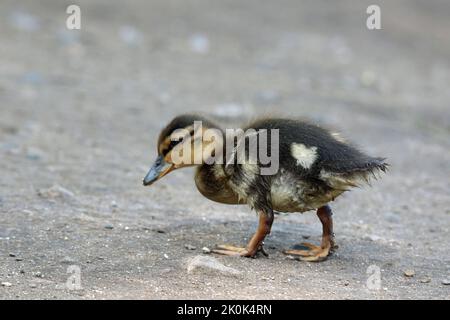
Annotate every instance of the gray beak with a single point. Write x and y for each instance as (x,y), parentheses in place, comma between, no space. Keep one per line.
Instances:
(159,169)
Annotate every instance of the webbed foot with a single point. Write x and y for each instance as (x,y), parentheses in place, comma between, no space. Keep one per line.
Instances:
(311,253)
(230,250)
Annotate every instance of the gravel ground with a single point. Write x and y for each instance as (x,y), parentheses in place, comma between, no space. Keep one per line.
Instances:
(81,110)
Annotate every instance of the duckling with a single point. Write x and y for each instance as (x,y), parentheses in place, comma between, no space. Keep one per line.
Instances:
(315,167)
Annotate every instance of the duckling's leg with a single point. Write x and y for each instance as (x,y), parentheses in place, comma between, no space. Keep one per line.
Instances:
(319,253)
(255,244)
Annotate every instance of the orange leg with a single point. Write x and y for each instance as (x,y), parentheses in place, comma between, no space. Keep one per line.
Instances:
(255,244)
(319,253)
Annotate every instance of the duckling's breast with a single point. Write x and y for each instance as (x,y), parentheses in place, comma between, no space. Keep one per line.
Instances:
(285,193)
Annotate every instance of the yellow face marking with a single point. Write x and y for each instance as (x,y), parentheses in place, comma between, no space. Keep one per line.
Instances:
(197,145)
(164,145)
(175,136)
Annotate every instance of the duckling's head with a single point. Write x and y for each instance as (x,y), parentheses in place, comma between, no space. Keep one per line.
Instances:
(187,140)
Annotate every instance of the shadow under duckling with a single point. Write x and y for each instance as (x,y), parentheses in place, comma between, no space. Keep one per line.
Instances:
(314,167)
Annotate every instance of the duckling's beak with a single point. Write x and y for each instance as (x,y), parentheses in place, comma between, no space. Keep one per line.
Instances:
(159,169)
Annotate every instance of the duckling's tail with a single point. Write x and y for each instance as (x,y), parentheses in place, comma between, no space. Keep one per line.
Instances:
(368,165)
(354,173)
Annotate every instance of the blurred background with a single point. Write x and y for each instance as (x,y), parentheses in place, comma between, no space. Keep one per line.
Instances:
(80,111)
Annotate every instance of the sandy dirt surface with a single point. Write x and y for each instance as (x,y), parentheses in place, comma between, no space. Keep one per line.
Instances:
(80,112)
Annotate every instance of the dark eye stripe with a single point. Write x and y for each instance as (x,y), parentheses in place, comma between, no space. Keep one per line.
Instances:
(172,144)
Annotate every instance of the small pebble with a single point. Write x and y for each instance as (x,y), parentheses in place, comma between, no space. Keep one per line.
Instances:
(12,255)
(446,282)
(189,247)
(206,250)
(109,227)
(409,273)
(425,280)
(166,256)
(34,154)
(6,284)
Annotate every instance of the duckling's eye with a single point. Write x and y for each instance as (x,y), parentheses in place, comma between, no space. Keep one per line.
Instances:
(172,144)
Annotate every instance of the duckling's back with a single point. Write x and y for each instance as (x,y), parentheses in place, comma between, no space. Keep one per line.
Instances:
(319,157)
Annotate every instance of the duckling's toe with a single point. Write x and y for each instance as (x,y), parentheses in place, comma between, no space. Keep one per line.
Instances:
(229,250)
(312,253)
